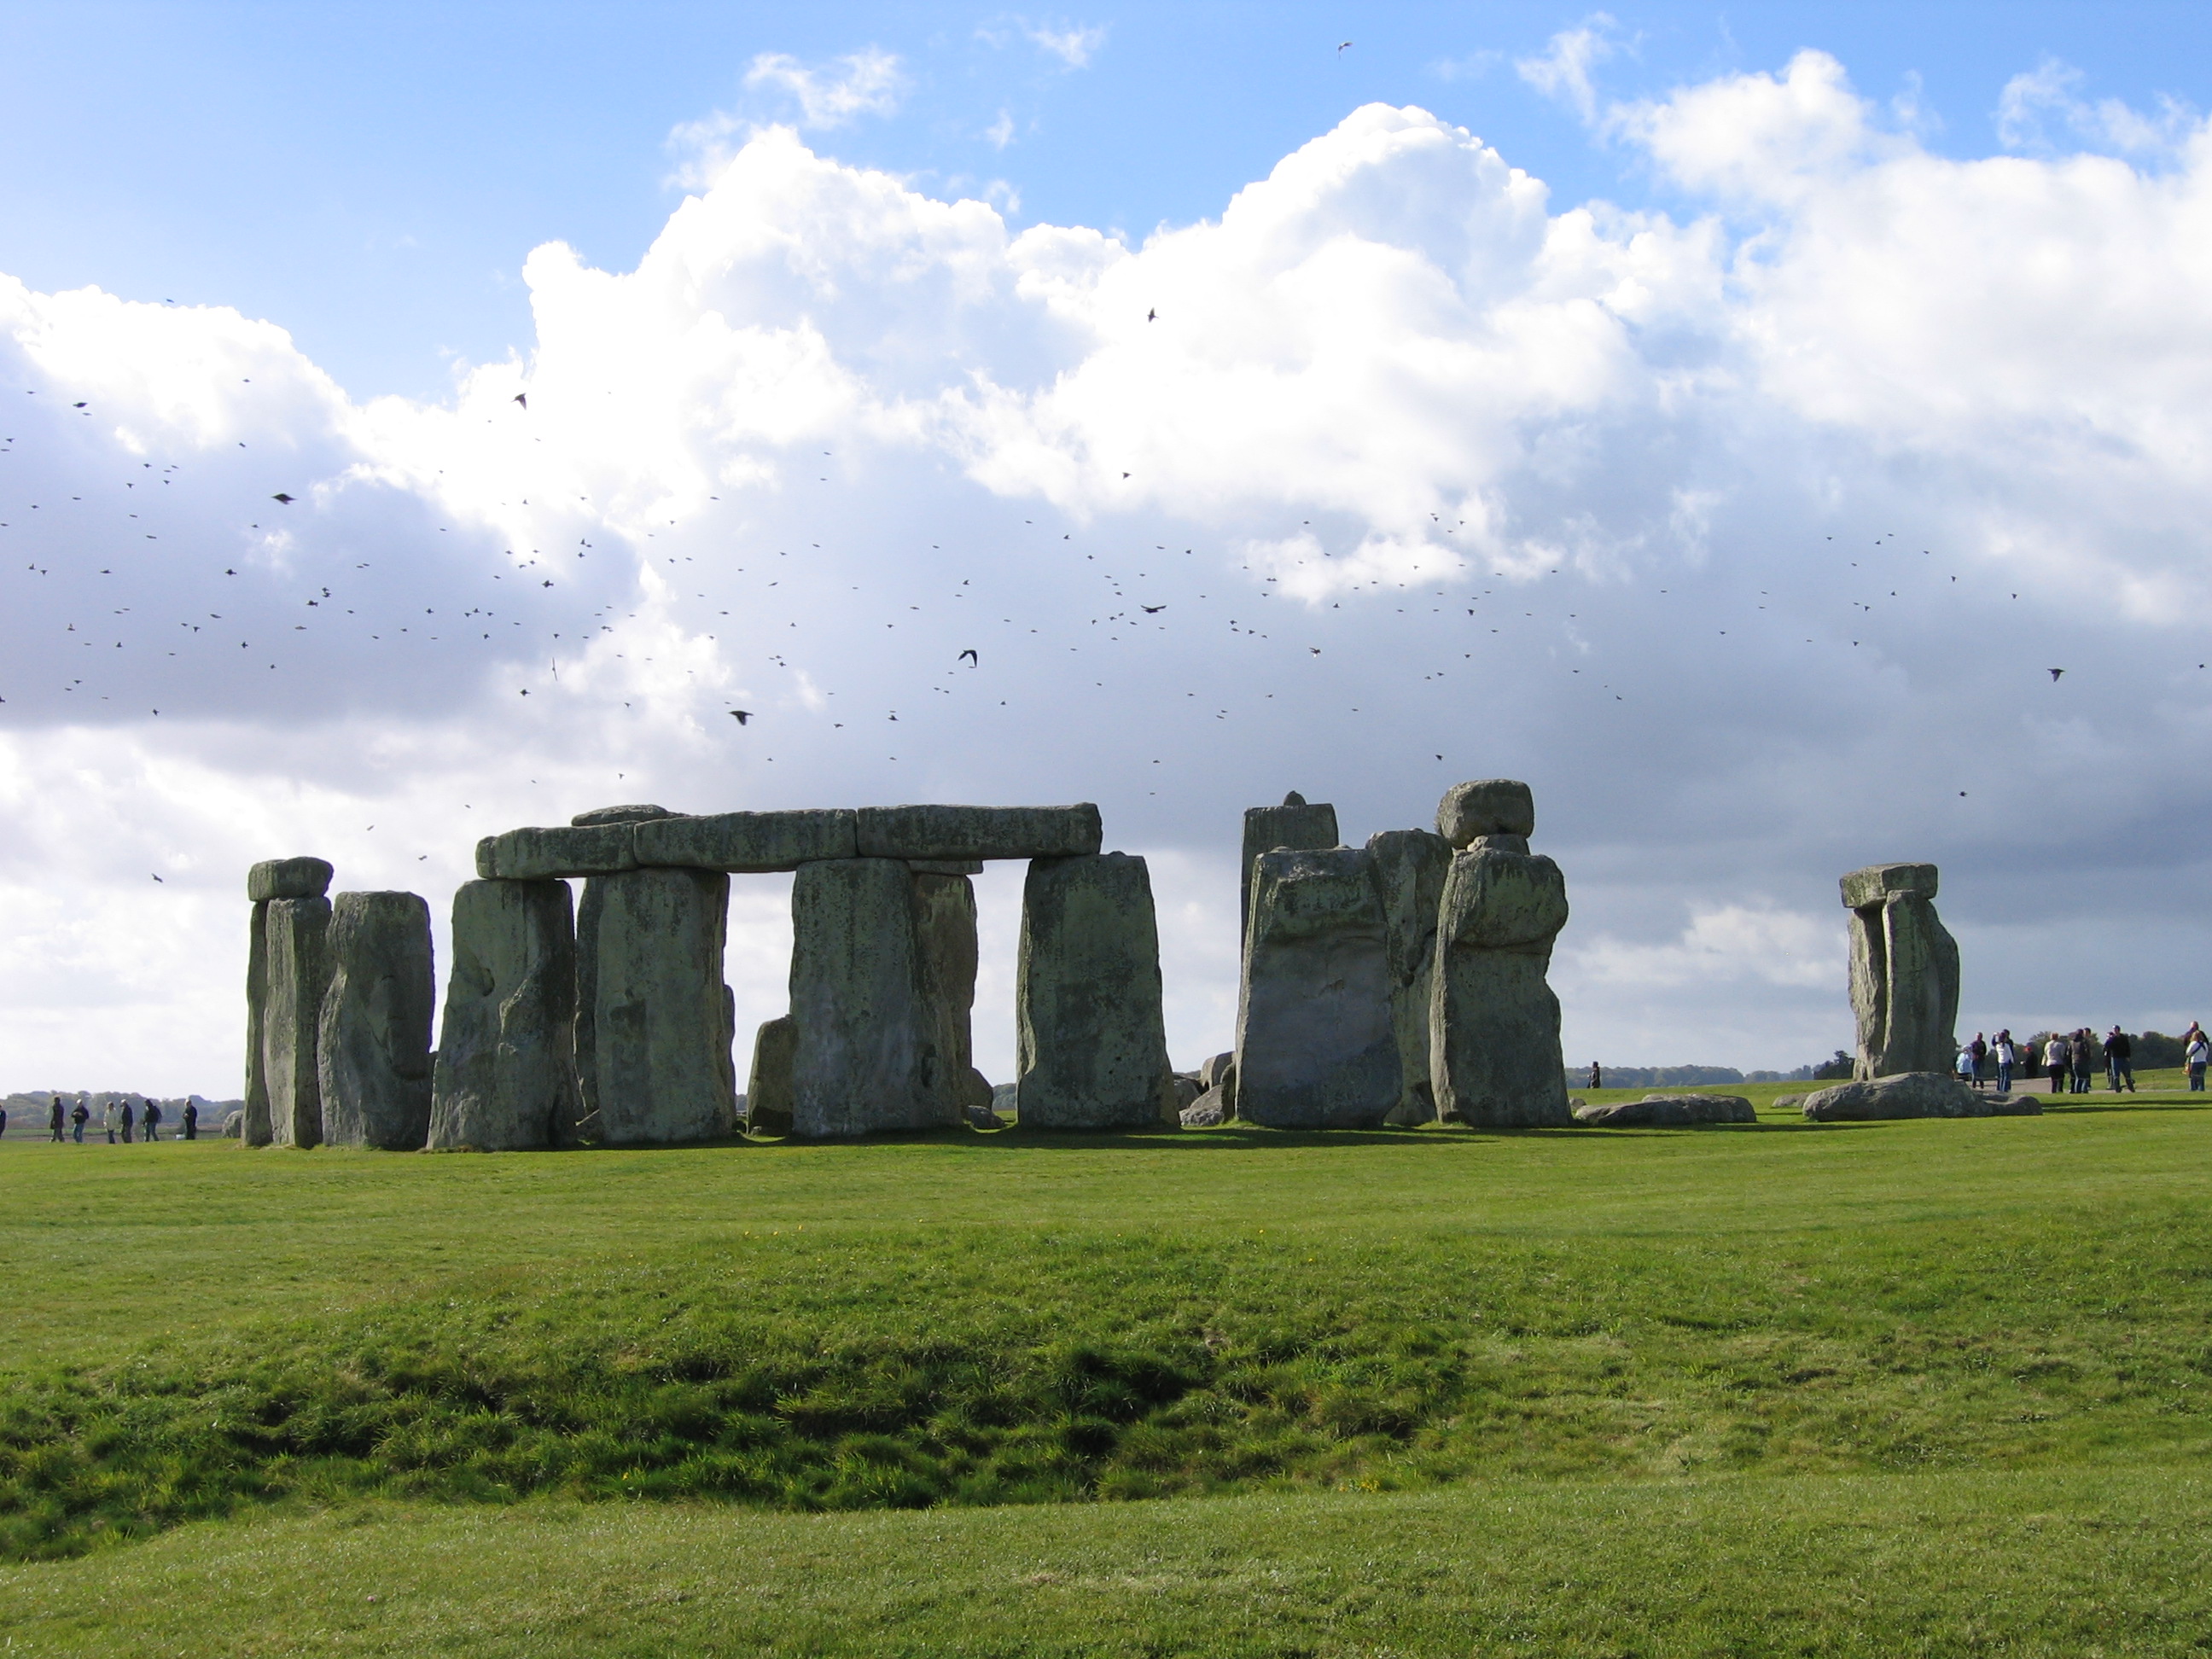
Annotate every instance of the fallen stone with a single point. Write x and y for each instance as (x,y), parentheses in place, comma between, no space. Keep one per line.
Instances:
(298,968)
(1667,1111)
(1493,1023)
(1904,971)
(1314,1045)
(374,1050)
(1410,866)
(768,1085)
(979,832)
(868,1058)
(1210,1075)
(752,844)
(1090,1041)
(1209,1111)
(504,1078)
(1487,806)
(1293,824)
(233,1125)
(982,1117)
(1910,1094)
(550,854)
(287,878)
(652,1034)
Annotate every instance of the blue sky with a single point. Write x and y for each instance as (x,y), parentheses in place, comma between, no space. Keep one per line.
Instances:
(1723,421)
(371,176)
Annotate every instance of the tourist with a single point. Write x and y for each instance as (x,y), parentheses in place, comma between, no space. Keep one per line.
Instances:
(129,1118)
(2197,1053)
(80,1115)
(1597,1076)
(2081,1049)
(3,1120)
(1965,1063)
(192,1120)
(152,1120)
(1981,1053)
(2006,1055)
(2120,1060)
(110,1122)
(2057,1057)
(54,1117)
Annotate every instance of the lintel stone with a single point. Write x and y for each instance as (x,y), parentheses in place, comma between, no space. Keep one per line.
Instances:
(752,844)
(287,878)
(980,832)
(597,850)
(1877,881)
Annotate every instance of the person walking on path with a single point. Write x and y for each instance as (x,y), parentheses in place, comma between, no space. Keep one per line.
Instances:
(2081,1049)
(2197,1053)
(54,1117)
(192,1120)
(1980,1050)
(2120,1060)
(152,1120)
(2055,1058)
(110,1122)
(2006,1056)
(80,1115)
(128,1119)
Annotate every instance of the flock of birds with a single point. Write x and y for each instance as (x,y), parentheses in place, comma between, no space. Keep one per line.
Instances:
(1222,623)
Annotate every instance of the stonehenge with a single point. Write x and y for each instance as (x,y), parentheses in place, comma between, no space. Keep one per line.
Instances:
(372,1045)
(1091,1038)
(653,1025)
(505,1074)
(1410,866)
(1904,972)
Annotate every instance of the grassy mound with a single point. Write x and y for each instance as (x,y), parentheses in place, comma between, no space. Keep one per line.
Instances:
(981,1322)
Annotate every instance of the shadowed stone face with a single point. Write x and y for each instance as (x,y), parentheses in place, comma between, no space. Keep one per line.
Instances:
(373,1052)
(945,923)
(1090,1039)
(505,1076)
(751,842)
(298,969)
(1904,971)
(1410,866)
(978,832)
(653,1038)
(768,1085)
(1493,1023)
(253,1116)
(866,1057)
(1315,1045)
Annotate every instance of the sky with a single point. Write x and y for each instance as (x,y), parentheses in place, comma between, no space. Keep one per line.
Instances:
(1726,423)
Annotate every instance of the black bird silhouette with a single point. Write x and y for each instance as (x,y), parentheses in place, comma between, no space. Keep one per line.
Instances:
(522,398)
(974,660)
(1345,47)
(1152,316)
(2056,672)
(163,883)
(280,496)
(741,715)
(1152,610)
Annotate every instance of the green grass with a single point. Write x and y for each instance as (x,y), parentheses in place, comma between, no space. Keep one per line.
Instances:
(1357,1392)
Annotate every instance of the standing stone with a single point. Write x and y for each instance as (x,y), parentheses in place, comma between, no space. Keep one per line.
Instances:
(253,1115)
(1090,1039)
(506,1073)
(944,922)
(1410,866)
(866,1057)
(768,1085)
(655,1067)
(1904,972)
(1293,824)
(298,969)
(1493,1023)
(271,879)
(1315,1048)
(373,1054)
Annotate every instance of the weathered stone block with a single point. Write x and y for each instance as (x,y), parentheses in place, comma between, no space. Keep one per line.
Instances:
(1910,1094)
(633,814)
(547,855)
(1315,1044)
(1209,1111)
(253,1110)
(945,867)
(652,1035)
(944,929)
(768,1085)
(868,1057)
(287,878)
(505,1074)
(1493,1023)
(373,1054)
(299,973)
(750,842)
(1487,806)
(1292,824)
(1410,866)
(1090,1041)
(1667,1111)
(1903,972)
(978,832)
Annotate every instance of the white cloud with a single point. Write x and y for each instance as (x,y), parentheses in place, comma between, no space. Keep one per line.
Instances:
(1074,45)
(866,82)
(1562,70)
(1427,476)
(2034,100)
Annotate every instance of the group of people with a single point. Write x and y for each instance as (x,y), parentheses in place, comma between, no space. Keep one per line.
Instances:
(2070,1058)
(118,1118)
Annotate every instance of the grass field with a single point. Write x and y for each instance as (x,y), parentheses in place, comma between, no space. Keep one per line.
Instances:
(1930,1387)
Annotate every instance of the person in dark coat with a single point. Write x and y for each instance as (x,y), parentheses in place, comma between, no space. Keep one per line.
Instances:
(192,1120)
(54,1119)
(128,1119)
(2120,1060)
(152,1120)
(80,1115)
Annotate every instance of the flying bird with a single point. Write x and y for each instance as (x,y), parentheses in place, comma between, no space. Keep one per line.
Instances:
(1344,46)
(1152,316)
(280,496)
(522,398)
(974,661)
(163,883)
(1152,610)
(741,715)
(2056,672)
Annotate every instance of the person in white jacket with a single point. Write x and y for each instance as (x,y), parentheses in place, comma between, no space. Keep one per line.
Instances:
(2056,1055)
(2197,1053)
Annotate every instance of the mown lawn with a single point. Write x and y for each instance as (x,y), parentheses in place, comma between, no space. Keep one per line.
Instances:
(1937,1387)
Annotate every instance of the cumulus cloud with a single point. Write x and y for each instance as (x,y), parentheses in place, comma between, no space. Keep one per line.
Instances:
(2033,102)
(1747,535)
(1562,70)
